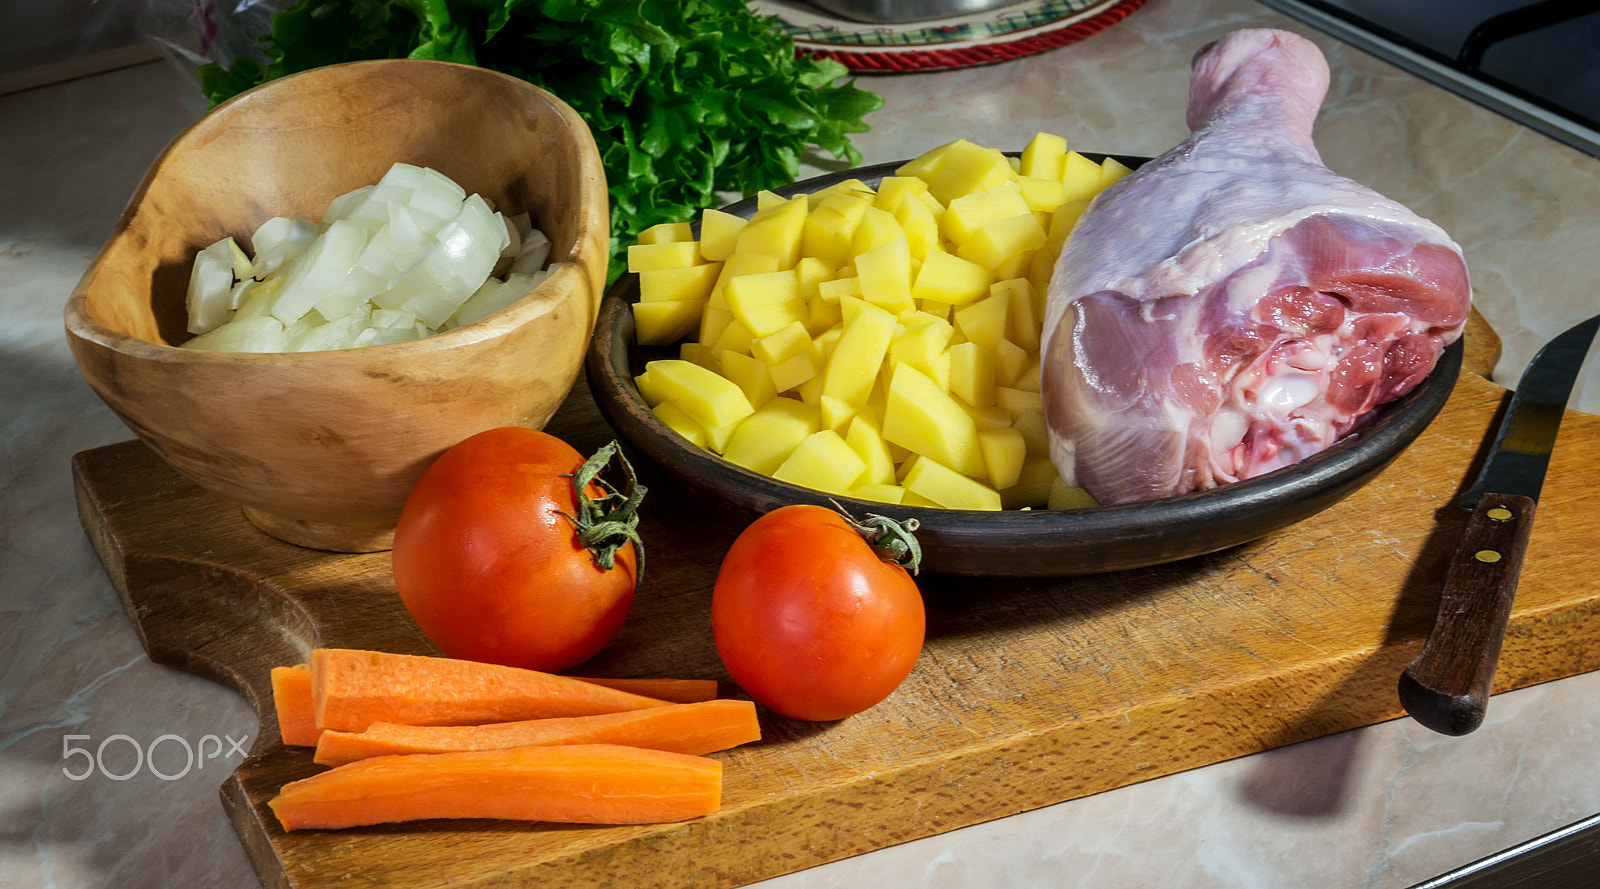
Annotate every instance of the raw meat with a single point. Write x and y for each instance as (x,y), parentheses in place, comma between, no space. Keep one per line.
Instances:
(1234,306)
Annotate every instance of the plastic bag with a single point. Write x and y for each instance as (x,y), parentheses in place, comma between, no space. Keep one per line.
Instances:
(198,32)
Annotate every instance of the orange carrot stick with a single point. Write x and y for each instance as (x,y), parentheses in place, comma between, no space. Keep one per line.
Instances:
(291,698)
(353,688)
(678,691)
(582,784)
(698,728)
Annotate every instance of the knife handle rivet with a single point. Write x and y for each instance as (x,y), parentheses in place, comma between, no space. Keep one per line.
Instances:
(1499,514)
(1486,555)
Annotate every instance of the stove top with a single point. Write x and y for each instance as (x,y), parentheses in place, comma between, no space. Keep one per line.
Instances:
(1535,62)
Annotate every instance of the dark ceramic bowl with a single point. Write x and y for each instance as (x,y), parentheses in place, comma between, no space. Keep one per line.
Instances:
(1017,543)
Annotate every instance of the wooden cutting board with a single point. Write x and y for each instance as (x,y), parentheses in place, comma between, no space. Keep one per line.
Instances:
(1028,692)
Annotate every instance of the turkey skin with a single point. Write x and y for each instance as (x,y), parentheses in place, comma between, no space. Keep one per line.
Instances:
(1234,306)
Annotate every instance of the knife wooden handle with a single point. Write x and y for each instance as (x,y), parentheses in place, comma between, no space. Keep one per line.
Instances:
(1447,687)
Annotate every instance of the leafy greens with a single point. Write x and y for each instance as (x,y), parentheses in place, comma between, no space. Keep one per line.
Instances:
(685,98)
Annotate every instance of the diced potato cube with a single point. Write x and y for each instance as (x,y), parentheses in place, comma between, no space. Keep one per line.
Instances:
(661,323)
(714,321)
(984,322)
(1017,265)
(751,375)
(1022,324)
(845,187)
(923,340)
(825,314)
(836,412)
(776,230)
(701,354)
(767,437)
(922,417)
(1003,453)
(1081,176)
(972,374)
(735,337)
(912,498)
(879,493)
(1112,170)
(783,344)
(811,271)
(1018,401)
(793,372)
(669,255)
(830,228)
(1009,360)
(1064,219)
(667,233)
(828,339)
(1064,497)
(1001,239)
(713,401)
(950,489)
(885,273)
(947,278)
(853,367)
(737,266)
(968,213)
(766,302)
(810,391)
(921,226)
(1044,155)
(1034,431)
(941,371)
(926,165)
(839,288)
(823,462)
(990,417)
(680,422)
(1041,268)
(893,191)
(1029,380)
(878,227)
(649,388)
(1042,194)
(1032,490)
(719,233)
(968,169)
(864,438)
(942,311)
(670,285)
(717,436)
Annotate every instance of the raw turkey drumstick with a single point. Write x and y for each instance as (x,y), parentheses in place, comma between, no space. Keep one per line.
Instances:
(1233,305)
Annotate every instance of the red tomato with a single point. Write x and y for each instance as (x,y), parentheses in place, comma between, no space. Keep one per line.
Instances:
(488,561)
(809,620)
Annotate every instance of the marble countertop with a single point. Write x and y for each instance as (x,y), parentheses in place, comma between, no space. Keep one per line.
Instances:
(1386,806)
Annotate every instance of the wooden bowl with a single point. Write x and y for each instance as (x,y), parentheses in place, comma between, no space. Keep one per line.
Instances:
(1018,543)
(321,448)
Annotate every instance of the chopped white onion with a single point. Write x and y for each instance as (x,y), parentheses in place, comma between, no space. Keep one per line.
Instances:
(406,257)
(211,287)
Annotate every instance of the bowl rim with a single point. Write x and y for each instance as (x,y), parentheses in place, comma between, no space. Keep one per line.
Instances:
(566,274)
(1313,482)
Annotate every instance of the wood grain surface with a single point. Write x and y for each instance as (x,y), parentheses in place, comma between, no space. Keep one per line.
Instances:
(1027,693)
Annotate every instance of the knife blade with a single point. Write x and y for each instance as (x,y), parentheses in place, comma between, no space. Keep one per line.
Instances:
(1447,687)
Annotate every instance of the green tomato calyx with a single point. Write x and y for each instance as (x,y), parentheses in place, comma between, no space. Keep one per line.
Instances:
(608,522)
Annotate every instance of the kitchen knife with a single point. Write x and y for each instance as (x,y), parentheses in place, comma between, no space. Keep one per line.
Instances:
(1447,687)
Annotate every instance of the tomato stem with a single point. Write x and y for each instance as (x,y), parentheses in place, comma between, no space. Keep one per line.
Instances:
(894,542)
(607,522)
